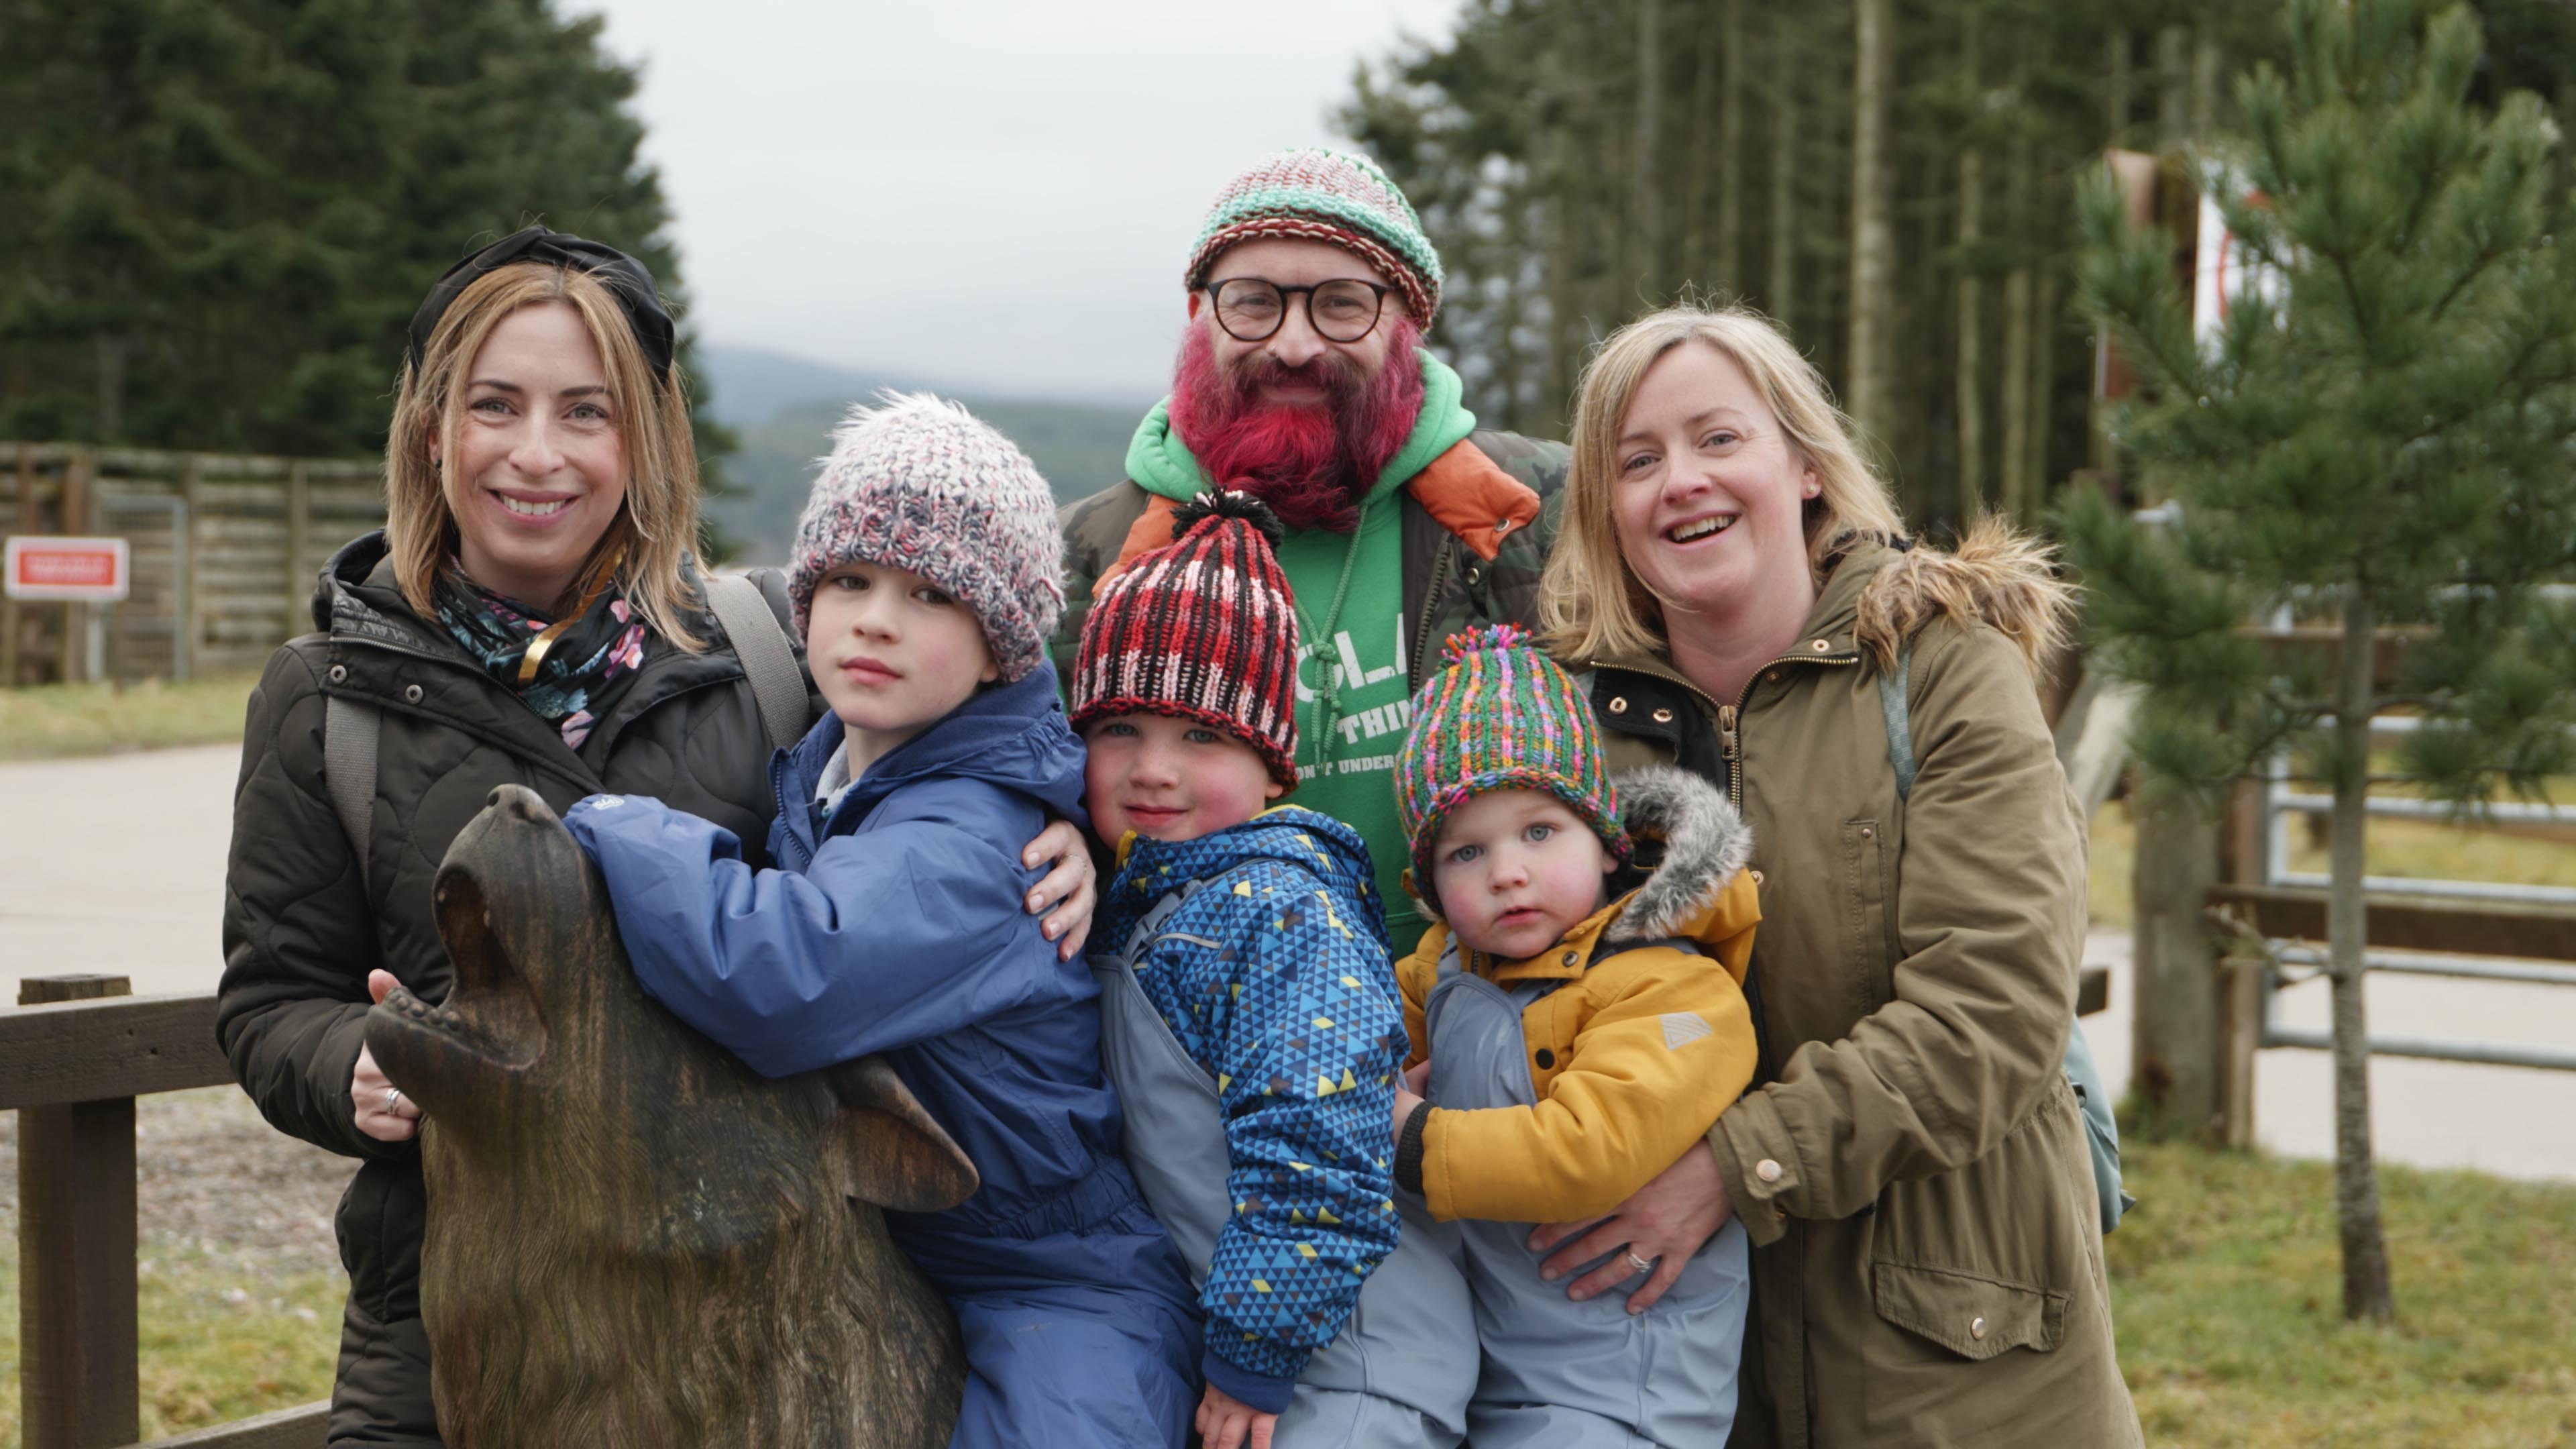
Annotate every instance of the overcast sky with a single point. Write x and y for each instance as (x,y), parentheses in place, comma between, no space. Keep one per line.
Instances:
(995,195)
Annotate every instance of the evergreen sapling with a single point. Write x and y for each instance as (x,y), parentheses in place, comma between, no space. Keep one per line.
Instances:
(2386,444)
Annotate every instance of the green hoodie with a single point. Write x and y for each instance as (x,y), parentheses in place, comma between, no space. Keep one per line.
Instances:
(1352,698)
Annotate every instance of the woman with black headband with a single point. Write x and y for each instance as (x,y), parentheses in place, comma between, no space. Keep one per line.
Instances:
(529,615)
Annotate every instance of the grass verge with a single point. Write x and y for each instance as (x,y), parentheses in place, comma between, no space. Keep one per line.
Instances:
(217,1344)
(49,721)
(2226,1292)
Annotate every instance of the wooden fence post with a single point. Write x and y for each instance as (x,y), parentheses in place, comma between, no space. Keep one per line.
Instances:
(299,527)
(75,513)
(77,1345)
(9,621)
(183,573)
(2243,985)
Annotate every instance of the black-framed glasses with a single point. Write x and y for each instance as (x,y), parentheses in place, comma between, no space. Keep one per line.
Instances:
(1250,309)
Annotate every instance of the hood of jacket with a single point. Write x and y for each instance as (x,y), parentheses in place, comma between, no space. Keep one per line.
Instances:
(1882,596)
(1704,846)
(1162,465)
(1318,844)
(356,593)
(1013,736)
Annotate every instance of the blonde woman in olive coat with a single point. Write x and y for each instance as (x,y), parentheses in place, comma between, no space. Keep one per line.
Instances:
(1912,1169)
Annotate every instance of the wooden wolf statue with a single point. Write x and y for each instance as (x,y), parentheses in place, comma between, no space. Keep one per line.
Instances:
(632,1237)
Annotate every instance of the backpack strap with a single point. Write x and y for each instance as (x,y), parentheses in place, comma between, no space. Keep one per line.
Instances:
(2101,1128)
(777,685)
(1892,687)
(349,730)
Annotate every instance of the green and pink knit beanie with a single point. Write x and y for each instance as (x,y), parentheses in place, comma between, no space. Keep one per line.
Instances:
(1501,716)
(923,485)
(1326,196)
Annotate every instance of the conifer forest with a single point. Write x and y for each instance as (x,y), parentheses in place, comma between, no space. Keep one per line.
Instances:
(218,212)
(1896,182)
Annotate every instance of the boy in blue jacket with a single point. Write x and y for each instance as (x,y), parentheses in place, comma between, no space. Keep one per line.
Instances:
(927,578)
(1249,1018)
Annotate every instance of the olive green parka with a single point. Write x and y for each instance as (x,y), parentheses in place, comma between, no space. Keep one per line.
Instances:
(1912,1167)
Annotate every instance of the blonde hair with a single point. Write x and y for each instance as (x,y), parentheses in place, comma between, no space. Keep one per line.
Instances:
(1591,604)
(656,525)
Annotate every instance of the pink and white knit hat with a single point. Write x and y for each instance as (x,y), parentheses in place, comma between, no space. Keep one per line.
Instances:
(1326,196)
(922,485)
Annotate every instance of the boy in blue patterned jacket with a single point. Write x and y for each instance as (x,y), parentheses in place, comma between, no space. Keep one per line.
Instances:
(1249,1016)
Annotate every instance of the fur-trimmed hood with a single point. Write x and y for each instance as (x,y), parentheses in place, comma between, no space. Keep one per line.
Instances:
(1705,845)
(1995,576)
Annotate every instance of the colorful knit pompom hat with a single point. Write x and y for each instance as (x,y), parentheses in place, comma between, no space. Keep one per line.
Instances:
(923,485)
(1204,629)
(1326,196)
(1501,716)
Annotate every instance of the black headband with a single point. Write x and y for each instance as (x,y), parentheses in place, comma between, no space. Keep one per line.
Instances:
(624,276)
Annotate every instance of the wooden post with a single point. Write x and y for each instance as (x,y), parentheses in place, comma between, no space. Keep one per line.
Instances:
(76,1238)
(75,513)
(183,574)
(9,622)
(2243,986)
(299,524)
(2174,1034)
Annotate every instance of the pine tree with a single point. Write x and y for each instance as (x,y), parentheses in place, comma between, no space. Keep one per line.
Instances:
(220,214)
(2385,442)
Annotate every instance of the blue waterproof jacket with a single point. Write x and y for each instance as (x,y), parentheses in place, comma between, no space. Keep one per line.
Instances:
(1271,972)
(896,926)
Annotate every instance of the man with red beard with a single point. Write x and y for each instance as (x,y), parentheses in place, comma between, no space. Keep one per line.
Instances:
(1302,382)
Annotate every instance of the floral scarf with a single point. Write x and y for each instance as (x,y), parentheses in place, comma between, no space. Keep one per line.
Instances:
(581,674)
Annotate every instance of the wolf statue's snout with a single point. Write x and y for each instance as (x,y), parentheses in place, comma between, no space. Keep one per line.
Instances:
(599,1173)
(519,802)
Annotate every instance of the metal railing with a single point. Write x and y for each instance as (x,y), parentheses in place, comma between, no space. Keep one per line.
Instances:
(2293,961)
(2277,1033)
(2280,802)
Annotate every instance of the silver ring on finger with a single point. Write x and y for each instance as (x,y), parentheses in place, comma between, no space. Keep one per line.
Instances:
(1642,1265)
(393,1099)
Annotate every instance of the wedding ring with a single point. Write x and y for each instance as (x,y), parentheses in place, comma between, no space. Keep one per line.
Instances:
(393,1099)
(1642,1265)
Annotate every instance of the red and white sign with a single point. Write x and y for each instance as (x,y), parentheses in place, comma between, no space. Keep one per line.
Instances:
(2226,270)
(78,570)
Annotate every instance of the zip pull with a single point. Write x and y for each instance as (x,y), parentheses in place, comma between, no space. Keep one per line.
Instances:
(1728,744)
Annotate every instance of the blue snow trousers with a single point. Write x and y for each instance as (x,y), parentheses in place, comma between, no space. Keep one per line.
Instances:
(1075,1339)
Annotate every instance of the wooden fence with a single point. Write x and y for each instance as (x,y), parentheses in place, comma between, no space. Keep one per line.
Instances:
(225,549)
(73,1057)
(2205,889)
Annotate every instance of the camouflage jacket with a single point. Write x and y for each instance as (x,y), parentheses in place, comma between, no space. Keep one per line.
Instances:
(1477,524)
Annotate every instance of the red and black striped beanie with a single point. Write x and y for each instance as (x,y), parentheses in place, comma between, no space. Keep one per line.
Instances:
(1201,629)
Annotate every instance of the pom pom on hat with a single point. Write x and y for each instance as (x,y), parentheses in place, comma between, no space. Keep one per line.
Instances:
(1500,716)
(1228,503)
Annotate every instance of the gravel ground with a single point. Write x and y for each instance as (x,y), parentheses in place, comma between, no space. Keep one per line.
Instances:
(213,1177)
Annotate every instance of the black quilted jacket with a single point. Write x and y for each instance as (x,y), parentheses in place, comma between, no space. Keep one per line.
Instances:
(301,929)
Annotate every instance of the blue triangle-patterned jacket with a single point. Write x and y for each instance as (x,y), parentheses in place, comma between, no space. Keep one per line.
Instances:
(1273,975)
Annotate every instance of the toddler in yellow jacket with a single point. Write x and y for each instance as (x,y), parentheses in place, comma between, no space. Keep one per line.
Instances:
(1582,1019)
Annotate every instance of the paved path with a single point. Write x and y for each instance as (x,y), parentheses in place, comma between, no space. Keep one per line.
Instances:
(2510,1120)
(116,864)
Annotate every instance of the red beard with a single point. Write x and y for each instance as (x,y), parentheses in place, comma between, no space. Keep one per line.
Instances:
(1312,465)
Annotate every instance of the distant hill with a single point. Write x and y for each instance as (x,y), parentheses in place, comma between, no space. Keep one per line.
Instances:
(785,408)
